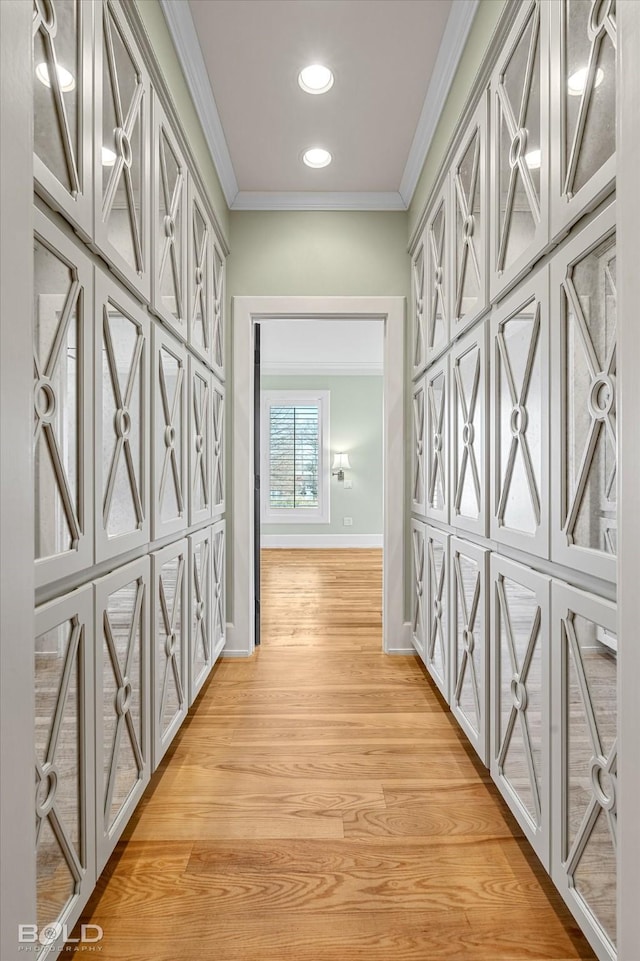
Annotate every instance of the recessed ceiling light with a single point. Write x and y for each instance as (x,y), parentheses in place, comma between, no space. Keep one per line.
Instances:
(533,159)
(316,157)
(315,78)
(578,81)
(67,80)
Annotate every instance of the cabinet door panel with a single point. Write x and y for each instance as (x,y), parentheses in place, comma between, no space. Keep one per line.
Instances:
(219,269)
(200,594)
(200,277)
(468,430)
(418,448)
(121,141)
(583,107)
(122,700)
(62,102)
(520,415)
(437,453)
(169,445)
(418,587)
(121,421)
(170,643)
(469,647)
(217,447)
(200,442)
(520,719)
(520,161)
(436,615)
(169,225)
(586,761)
(418,338)
(64,758)
(218,599)
(469,224)
(437,277)
(62,359)
(585,433)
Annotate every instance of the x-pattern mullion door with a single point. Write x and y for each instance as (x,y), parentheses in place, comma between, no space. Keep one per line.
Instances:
(520,148)
(418,275)
(169,644)
(418,602)
(218,571)
(418,448)
(200,436)
(437,437)
(122,703)
(436,616)
(170,474)
(122,201)
(200,593)
(468,412)
(200,277)
(170,225)
(584,40)
(437,279)
(469,648)
(217,447)
(520,696)
(64,800)
(218,333)
(62,43)
(586,759)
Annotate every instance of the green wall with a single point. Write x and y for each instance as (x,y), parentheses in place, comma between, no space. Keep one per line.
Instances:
(355,427)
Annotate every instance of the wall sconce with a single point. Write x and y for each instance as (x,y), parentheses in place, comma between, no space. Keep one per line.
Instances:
(340,465)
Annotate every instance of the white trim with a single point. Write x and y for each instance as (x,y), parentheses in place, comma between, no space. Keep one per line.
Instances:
(333,369)
(452,45)
(246,310)
(185,39)
(318,200)
(321,540)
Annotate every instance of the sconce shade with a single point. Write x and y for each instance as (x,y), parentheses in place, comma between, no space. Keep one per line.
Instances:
(341,462)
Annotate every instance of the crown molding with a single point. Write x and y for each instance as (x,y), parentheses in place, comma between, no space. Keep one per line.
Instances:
(452,45)
(185,38)
(317,200)
(329,369)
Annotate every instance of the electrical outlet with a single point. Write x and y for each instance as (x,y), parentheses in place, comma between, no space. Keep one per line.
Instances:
(348,485)
(347,521)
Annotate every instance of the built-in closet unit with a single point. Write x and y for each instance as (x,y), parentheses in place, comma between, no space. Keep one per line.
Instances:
(514,533)
(128,438)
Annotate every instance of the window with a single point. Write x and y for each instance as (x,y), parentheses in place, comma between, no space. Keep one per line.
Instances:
(295,456)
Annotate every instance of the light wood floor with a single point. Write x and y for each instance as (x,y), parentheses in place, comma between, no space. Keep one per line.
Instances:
(321,805)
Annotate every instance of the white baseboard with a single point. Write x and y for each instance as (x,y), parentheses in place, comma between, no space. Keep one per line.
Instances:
(402,644)
(234,646)
(321,540)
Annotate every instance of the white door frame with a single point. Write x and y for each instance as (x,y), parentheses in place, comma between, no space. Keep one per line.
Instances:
(245,312)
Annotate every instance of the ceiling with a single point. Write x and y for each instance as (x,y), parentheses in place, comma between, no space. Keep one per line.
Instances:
(321,346)
(393,62)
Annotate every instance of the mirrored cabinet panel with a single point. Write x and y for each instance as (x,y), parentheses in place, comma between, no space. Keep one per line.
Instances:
(520,161)
(469,643)
(520,418)
(436,616)
(418,448)
(169,225)
(219,269)
(62,105)
(418,308)
(62,369)
(437,277)
(200,404)
(122,402)
(169,444)
(200,277)
(583,107)
(418,598)
(170,644)
(584,432)
(520,718)
(64,759)
(122,659)
(121,148)
(200,594)
(585,772)
(437,430)
(218,479)
(468,432)
(469,288)
(218,594)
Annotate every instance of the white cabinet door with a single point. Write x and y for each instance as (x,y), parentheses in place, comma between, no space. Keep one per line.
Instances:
(121,424)
(437,447)
(200,277)
(584,428)
(217,446)
(122,194)
(64,756)
(200,594)
(519,149)
(438,276)
(418,448)
(520,681)
(123,728)
(418,598)
(169,295)
(418,307)
(62,439)
(583,107)
(520,418)
(585,772)
(469,460)
(436,616)
(169,644)
(62,108)
(219,326)
(469,643)
(469,213)
(199,417)
(218,589)
(169,445)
